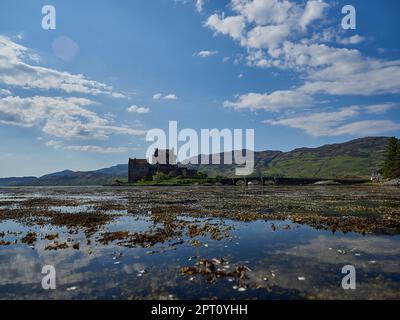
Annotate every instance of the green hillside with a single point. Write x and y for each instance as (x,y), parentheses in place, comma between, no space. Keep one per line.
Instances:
(354,159)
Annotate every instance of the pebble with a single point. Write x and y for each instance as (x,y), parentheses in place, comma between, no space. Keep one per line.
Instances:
(301,278)
(72,288)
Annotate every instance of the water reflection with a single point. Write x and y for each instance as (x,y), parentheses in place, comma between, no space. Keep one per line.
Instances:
(283,260)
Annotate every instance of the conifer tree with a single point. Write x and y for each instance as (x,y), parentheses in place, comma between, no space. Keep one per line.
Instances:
(396,171)
(391,167)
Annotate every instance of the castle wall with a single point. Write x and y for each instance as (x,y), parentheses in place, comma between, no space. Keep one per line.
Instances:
(138,170)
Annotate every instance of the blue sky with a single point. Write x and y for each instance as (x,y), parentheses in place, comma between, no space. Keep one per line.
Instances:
(82,96)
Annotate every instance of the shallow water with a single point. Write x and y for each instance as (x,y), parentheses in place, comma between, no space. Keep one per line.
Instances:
(285,260)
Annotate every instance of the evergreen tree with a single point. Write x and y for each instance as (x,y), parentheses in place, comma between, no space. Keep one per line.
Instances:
(391,167)
(396,171)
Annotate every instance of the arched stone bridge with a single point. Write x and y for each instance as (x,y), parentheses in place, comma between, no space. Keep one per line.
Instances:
(283,181)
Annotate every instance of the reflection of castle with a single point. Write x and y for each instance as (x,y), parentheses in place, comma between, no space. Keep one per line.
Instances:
(163,161)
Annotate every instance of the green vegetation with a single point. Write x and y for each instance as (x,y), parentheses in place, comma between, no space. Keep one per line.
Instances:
(161,178)
(391,167)
(356,159)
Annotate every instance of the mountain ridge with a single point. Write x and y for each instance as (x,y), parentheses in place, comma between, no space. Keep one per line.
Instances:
(352,159)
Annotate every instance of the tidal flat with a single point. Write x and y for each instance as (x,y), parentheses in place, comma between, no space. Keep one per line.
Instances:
(200,242)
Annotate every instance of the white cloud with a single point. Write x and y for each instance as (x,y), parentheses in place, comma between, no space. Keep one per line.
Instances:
(284,34)
(232,26)
(339,71)
(314,10)
(334,123)
(332,71)
(200,5)
(54,144)
(57,145)
(367,127)
(274,102)
(97,149)
(317,124)
(381,108)
(157,96)
(170,96)
(5,92)
(267,23)
(60,117)
(137,109)
(356,39)
(263,12)
(17,70)
(267,36)
(206,53)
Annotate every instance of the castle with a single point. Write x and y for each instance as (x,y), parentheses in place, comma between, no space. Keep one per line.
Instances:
(163,161)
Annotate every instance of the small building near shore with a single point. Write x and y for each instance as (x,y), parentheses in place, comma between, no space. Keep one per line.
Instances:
(377,177)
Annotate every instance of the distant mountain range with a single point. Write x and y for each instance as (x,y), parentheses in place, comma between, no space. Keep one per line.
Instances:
(72,178)
(354,159)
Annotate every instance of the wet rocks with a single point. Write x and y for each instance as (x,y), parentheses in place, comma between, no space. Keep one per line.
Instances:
(196,243)
(216,268)
(30,238)
(4,243)
(393,182)
(113,236)
(51,237)
(196,213)
(57,246)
